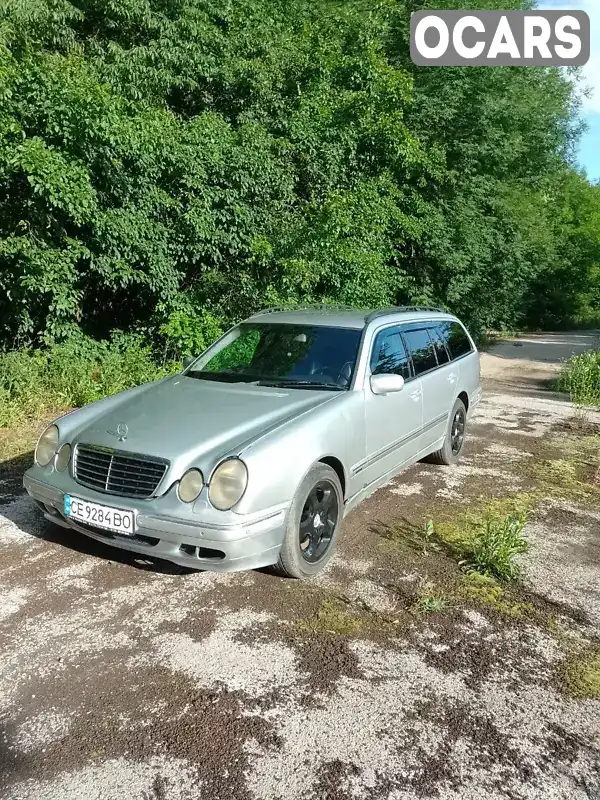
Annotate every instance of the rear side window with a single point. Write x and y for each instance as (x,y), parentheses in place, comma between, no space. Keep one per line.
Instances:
(422,349)
(389,354)
(439,345)
(456,339)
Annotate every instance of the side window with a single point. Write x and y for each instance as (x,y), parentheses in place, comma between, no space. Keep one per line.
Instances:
(389,354)
(422,349)
(456,339)
(439,345)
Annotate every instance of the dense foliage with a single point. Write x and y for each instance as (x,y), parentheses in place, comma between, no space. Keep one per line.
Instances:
(73,373)
(580,377)
(166,167)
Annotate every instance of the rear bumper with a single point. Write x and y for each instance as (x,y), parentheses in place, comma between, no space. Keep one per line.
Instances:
(248,544)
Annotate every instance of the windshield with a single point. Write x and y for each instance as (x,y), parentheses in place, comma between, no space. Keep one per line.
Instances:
(276,354)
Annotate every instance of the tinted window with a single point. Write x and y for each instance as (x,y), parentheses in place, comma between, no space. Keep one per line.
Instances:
(456,338)
(389,354)
(439,345)
(422,350)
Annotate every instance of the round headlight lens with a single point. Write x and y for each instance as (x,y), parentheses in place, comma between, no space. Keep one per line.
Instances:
(63,458)
(46,446)
(190,485)
(228,484)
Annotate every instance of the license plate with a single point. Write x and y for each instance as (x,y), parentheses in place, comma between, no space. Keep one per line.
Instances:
(112,519)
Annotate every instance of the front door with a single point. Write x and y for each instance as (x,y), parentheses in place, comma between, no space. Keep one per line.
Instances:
(392,421)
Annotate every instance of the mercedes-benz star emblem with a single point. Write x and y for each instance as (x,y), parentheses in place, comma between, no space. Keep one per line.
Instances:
(121,432)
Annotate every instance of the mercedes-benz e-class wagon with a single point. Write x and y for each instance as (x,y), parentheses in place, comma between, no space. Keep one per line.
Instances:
(254,453)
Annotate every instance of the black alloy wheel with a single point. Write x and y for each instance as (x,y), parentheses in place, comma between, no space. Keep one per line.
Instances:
(318,521)
(457,435)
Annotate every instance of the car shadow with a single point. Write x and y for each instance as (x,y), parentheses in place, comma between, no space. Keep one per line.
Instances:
(419,538)
(18,508)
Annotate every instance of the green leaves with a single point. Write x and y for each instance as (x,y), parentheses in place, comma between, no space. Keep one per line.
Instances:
(165,161)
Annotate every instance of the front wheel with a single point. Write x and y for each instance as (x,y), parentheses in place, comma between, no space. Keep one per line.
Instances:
(450,451)
(312,525)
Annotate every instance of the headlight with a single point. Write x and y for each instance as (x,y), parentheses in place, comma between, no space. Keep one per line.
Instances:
(228,484)
(190,485)
(63,458)
(46,446)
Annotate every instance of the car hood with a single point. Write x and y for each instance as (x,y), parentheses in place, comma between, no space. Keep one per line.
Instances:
(187,420)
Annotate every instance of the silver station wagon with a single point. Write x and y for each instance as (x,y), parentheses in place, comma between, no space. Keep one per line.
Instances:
(254,453)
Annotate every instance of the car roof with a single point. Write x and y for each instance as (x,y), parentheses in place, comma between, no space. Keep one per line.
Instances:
(347,317)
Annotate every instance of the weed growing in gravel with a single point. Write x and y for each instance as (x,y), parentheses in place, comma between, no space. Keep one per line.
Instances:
(493,545)
(579,674)
(580,377)
(430,605)
(429,602)
(489,542)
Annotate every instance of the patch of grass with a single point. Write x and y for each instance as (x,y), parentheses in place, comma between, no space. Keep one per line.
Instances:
(584,447)
(73,374)
(334,616)
(486,591)
(430,605)
(430,601)
(580,377)
(567,478)
(579,674)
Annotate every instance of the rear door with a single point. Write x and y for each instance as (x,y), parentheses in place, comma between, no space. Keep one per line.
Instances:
(465,357)
(393,421)
(439,377)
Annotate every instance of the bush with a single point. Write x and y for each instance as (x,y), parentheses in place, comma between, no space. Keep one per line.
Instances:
(73,374)
(493,544)
(580,377)
(189,333)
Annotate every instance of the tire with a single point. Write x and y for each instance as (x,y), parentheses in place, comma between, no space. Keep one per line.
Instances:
(309,543)
(450,451)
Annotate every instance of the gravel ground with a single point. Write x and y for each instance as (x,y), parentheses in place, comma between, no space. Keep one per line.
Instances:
(126,679)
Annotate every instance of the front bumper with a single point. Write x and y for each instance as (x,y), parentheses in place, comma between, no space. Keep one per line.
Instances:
(246,543)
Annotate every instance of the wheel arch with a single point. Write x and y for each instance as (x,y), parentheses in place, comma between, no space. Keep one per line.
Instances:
(337,466)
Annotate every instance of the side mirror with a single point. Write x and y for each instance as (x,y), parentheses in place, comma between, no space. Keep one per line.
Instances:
(188,360)
(386,383)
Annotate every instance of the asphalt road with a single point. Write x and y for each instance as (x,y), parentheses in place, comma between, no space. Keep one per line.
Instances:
(124,679)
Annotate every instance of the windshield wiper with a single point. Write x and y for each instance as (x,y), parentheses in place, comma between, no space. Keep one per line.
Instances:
(301,384)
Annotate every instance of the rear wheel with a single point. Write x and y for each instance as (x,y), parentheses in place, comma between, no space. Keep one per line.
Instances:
(454,441)
(312,525)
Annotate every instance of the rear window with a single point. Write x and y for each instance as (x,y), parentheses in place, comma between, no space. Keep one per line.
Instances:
(455,338)
(439,344)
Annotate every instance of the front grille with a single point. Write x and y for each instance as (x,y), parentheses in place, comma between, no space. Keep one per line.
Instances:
(116,472)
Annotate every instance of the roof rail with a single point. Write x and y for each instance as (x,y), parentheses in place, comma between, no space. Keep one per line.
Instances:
(380,312)
(307,307)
